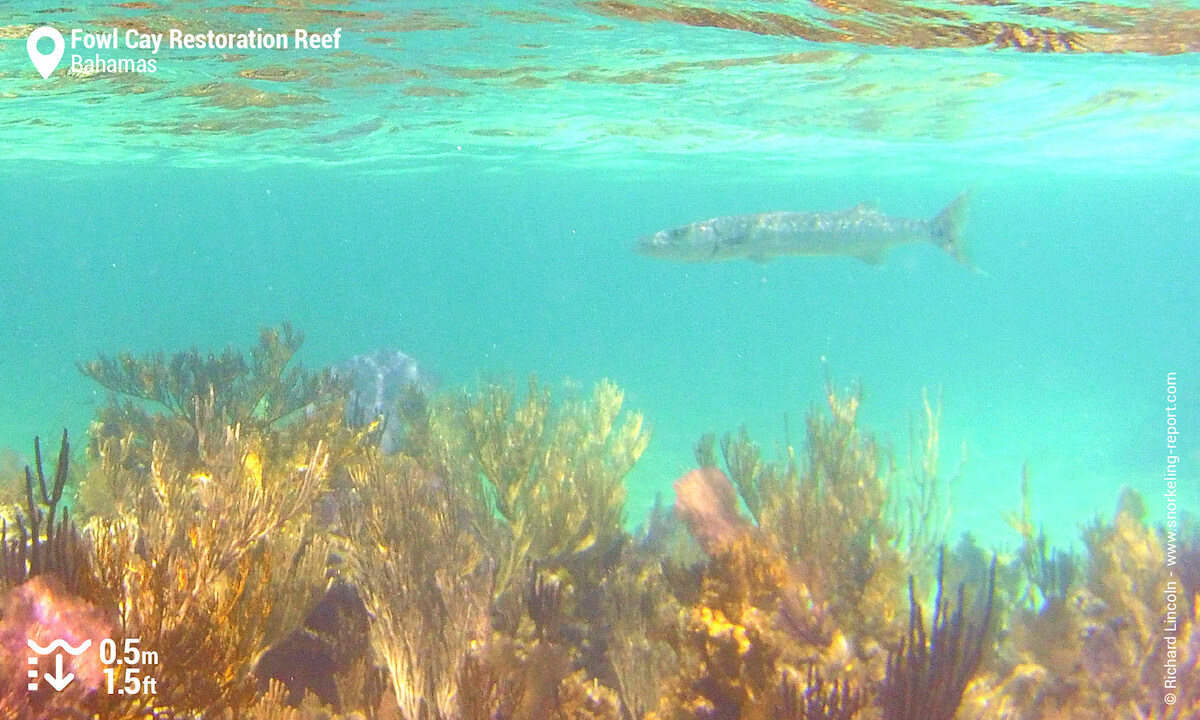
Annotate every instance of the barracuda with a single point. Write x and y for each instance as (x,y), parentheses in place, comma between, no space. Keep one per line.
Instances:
(861,231)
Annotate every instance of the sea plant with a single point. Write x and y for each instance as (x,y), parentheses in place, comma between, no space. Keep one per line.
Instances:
(211,564)
(1100,651)
(553,474)
(752,622)
(929,672)
(187,399)
(641,614)
(498,582)
(420,568)
(262,389)
(43,539)
(921,510)
(1049,575)
(816,699)
(1126,575)
(838,496)
(542,484)
(729,646)
(539,485)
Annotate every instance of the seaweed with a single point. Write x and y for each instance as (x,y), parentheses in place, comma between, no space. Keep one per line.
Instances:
(1126,575)
(1099,651)
(770,600)
(554,475)
(641,614)
(274,704)
(212,566)
(187,399)
(1189,557)
(752,620)
(484,572)
(260,389)
(727,646)
(1052,571)
(922,512)
(327,656)
(423,578)
(45,539)
(1050,574)
(835,498)
(544,603)
(542,480)
(928,674)
(815,699)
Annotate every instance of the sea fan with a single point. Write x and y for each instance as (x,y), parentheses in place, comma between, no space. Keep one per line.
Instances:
(927,676)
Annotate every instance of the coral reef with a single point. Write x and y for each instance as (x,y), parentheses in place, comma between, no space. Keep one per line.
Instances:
(43,539)
(187,400)
(839,497)
(1092,642)
(210,567)
(260,390)
(236,520)
(199,541)
(815,700)
(708,505)
(555,477)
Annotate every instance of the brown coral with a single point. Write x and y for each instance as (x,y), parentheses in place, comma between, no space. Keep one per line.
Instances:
(44,539)
(752,620)
(838,497)
(1098,650)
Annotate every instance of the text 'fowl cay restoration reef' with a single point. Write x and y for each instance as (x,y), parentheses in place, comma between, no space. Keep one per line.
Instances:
(233,540)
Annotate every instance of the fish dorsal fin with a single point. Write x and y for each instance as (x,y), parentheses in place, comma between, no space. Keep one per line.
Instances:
(867,206)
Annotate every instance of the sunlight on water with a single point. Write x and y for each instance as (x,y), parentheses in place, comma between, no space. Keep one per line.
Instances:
(825,84)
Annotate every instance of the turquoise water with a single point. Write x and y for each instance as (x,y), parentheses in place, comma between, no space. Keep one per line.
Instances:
(468,190)
(1054,355)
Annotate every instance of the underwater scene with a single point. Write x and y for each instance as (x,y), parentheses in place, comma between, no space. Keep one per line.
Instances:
(600,359)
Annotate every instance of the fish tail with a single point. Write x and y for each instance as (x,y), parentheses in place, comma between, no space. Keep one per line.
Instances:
(948,229)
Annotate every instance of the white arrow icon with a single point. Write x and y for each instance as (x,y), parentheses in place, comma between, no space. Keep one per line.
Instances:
(57,681)
(45,62)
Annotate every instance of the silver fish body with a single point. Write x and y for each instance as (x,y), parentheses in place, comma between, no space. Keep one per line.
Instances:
(861,231)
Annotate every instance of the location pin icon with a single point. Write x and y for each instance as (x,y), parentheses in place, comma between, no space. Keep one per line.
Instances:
(45,62)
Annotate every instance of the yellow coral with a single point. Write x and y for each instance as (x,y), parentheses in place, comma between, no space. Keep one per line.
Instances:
(718,627)
(835,499)
(549,477)
(254,469)
(1095,652)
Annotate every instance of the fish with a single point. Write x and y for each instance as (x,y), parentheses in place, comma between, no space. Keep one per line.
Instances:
(863,232)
